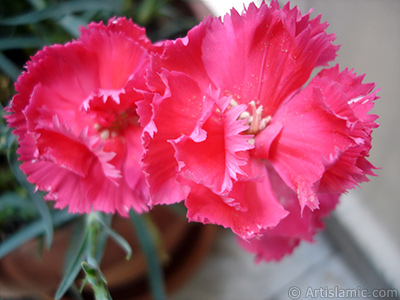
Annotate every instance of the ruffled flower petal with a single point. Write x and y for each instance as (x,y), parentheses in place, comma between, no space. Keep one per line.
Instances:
(314,139)
(311,139)
(265,54)
(75,115)
(182,55)
(62,94)
(351,100)
(262,209)
(173,117)
(124,45)
(297,226)
(211,158)
(71,169)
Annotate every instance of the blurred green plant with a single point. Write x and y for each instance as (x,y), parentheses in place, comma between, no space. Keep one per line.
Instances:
(25,27)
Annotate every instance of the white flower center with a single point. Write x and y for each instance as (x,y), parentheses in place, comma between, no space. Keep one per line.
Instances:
(254,119)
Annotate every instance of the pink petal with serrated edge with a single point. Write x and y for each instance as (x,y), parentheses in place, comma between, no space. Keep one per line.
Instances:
(173,118)
(297,226)
(263,210)
(212,159)
(72,114)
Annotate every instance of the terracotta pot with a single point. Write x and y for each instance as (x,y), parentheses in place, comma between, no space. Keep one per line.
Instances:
(24,273)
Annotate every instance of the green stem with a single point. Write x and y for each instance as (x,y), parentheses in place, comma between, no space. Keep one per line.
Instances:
(96,280)
(93,233)
(89,254)
(90,265)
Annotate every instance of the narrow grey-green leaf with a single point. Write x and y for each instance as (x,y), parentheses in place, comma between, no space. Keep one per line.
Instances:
(74,267)
(71,24)
(29,232)
(21,237)
(60,9)
(76,234)
(21,42)
(74,293)
(8,67)
(14,200)
(44,212)
(102,238)
(37,198)
(38,4)
(120,240)
(150,249)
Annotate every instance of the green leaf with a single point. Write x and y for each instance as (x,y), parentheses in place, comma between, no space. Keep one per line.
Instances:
(36,197)
(44,212)
(94,237)
(120,240)
(14,200)
(75,236)
(149,246)
(97,280)
(15,208)
(69,278)
(18,239)
(74,266)
(9,68)
(61,9)
(63,216)
(102,237)
(38,4)
(147,10)
(29,232)
(88,254)
(21,42)
(71,24)
(74,293)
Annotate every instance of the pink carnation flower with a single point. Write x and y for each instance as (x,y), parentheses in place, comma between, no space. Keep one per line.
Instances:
(76,121)
(232,131)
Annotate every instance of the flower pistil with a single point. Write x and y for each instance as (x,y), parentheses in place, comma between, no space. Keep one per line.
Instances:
(255,120)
